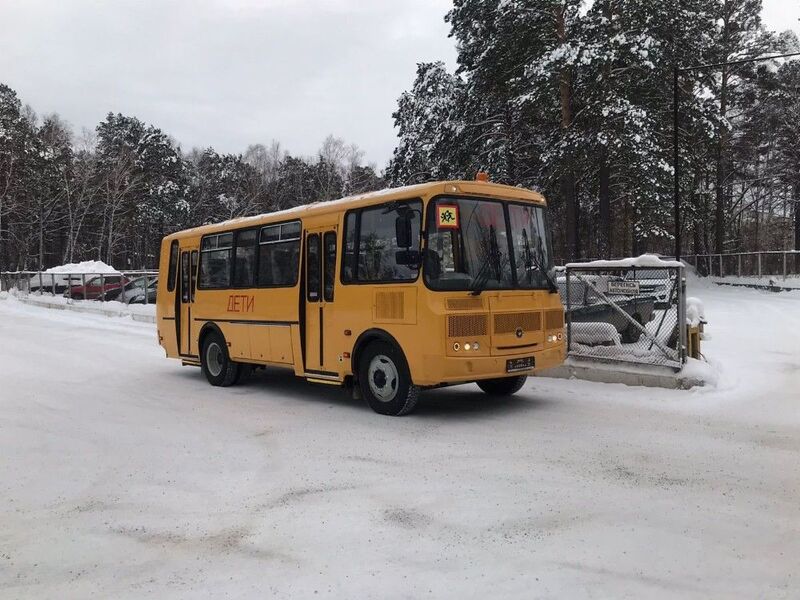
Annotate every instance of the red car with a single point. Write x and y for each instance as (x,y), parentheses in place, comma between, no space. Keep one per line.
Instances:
(107,287)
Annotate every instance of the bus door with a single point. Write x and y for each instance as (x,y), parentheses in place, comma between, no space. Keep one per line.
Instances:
(320,266)
(185,326)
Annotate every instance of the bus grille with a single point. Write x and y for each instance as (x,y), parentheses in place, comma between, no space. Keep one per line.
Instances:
(554,319)
(464,304)
(509,322)
(466,325)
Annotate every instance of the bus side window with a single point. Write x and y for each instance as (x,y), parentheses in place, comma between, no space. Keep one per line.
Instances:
(313,261)
(244,268)
(349,253)
(329,251)
(173,266)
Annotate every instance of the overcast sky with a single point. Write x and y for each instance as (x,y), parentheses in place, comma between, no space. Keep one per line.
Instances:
(228,73)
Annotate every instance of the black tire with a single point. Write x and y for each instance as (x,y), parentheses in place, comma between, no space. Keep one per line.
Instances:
(631,334)
(216,363)
(390,390)
(502,386)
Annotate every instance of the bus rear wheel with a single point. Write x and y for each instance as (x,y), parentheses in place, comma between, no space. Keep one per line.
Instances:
(385,380)
(216,363)
(502,386)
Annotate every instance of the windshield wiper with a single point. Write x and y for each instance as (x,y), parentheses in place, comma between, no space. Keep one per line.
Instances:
(550,281)
(485,271)
(532,258)
(482,277)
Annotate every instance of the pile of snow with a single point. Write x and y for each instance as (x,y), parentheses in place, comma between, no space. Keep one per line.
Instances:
(94,267)
(594,334)
(695,311)
(645,260)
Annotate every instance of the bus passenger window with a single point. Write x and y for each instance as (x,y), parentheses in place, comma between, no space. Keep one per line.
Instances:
(173,266)
(279,255)
(329,248)
(244,268)
(348,260)
(313,261)
(216,261)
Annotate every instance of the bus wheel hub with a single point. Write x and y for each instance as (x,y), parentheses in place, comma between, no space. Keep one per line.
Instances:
(383,378)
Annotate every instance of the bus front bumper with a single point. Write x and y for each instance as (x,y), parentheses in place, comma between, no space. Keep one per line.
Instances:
(440,369)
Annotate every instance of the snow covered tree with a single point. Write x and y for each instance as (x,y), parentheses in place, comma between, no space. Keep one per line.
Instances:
(429,128)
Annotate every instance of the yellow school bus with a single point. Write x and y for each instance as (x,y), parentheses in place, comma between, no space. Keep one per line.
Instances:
(386,293)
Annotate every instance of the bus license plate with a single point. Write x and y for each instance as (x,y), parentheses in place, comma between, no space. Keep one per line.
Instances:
(520,364)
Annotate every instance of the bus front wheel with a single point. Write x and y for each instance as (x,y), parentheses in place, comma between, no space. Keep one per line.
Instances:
(503,386)
(216,363)
(385,380)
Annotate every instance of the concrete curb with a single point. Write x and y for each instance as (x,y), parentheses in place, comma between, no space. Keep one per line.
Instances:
(88,309)
(634,375)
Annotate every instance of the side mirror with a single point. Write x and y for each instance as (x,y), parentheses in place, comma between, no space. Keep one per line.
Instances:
(402,229)
(408,258)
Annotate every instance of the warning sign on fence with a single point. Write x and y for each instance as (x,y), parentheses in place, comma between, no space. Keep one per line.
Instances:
(628,288)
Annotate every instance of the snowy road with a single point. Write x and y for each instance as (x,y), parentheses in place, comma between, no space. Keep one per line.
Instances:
(126,475)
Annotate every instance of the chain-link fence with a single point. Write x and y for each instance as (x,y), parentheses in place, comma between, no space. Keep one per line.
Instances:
(628,314)
(128,287)
(776,264)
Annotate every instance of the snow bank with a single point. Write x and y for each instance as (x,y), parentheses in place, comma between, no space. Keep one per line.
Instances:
(699,370)
(88,266)
(138,312)
(776,282)
(645,260)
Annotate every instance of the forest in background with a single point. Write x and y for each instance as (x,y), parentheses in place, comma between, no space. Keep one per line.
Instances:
(570,98)
(111,194)
(575,99)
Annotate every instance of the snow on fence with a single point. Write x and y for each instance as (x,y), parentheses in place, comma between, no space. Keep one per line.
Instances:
(85,281)
(630,310)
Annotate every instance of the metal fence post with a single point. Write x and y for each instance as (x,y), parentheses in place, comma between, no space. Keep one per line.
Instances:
(145,289)
(53,284)
(568,315)
(41,285)
(758,255)
(83,284)
(784,266)
(721,268)
(682,317)
(740,265)
(102,287)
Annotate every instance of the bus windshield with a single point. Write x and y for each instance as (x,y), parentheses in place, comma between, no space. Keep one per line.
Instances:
(482,244)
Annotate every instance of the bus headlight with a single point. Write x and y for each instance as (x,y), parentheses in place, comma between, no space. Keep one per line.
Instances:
(467,346)
(456,346)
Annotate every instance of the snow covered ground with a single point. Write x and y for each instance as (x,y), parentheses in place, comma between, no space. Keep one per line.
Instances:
(125,475)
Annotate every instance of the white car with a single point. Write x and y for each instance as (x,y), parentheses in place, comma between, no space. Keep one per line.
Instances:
(134,292)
